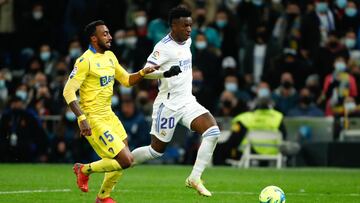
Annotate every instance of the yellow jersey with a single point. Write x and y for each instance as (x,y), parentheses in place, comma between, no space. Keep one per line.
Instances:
(94,73)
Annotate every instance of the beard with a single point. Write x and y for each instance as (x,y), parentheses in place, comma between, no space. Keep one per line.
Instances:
(103,46)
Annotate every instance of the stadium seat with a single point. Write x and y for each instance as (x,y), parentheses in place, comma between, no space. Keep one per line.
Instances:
(351,131)
(253,141)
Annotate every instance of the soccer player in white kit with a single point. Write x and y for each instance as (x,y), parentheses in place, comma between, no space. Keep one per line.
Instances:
(175,103)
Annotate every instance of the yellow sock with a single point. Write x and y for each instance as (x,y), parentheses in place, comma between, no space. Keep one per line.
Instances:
(108,185)
(103,165)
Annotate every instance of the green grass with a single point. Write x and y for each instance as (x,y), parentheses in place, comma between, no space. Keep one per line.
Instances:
(56,183)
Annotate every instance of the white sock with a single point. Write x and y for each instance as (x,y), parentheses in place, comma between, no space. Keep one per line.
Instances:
(206,149)
(143,154)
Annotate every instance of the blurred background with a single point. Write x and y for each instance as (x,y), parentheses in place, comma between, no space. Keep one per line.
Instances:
(302,56)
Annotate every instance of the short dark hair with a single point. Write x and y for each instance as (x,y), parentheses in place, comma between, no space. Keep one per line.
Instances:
(91,28)
(178,12)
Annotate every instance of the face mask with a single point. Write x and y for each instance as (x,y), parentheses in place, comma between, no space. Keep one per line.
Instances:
(221,23)
(263,93)
(350,106)
(305,100)
(125,90)
(140,21)
(201,45)
(75,52)
(119,41)
(276,1)
(321,7)
(341,3)
(70,116)
(45,55)
(21,94)
(2,84)
(37,15)
(257,2)
(61,72)
(143,101)
(201,20)
(350,12)
(227,103)
(231,87)
(114,100)
(287,84)
(340,66)
(350,43)
(130,41)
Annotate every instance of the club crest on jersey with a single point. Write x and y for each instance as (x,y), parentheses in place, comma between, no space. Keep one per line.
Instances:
(104,80)
(155,55)
(98,65)
(73,72)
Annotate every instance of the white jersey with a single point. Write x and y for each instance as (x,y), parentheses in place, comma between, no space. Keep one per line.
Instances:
(176,91)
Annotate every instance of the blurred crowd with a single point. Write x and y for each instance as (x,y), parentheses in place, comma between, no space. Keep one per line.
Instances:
(304,55)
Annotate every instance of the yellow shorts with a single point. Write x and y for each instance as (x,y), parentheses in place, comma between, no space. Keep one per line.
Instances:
(107,135)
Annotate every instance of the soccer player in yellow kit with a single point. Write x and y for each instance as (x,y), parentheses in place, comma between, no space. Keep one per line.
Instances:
(94,74)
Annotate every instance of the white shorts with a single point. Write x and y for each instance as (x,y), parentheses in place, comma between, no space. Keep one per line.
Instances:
(164,120)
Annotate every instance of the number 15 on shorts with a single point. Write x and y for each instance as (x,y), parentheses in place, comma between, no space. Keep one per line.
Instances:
(107,138)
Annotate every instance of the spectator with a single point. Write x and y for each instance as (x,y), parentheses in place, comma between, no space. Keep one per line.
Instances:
(287,28)
(350,19)
(22,137)
(259,54)
(144,103)
(134,123)
(271,120)
(285,96)
(315,28)
(3,90)
(337,86)
(201,26)
(306,106)
(229,105)
(208,62)
(48,57)
(201,90)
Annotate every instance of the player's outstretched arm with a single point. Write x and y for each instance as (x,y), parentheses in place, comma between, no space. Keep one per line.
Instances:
(173,71)
(138,76)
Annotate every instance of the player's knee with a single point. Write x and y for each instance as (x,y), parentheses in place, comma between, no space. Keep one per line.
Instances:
(126,161)
(213,131)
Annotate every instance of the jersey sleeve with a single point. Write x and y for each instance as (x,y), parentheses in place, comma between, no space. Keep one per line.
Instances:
(76,78)
(121,75)
(159,56)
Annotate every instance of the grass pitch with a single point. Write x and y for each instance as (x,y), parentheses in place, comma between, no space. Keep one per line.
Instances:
(162,183)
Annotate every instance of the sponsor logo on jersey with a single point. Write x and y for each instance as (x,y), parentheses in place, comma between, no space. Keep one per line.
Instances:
(104,80)
(73,72)
(155,55)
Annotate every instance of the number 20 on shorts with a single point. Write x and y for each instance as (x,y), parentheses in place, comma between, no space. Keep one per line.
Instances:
(167,123)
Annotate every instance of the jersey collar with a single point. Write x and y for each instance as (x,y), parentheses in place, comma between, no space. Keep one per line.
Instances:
(92,48)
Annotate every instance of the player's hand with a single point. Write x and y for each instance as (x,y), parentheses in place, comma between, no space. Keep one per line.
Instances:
(174,70)
(150,69)
(85,129)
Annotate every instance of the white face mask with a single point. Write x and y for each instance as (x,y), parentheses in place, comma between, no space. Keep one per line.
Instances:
(131,41)
(21,94)
(125,90)
(45,55)
(231,87)
(2,84)
(340,66)
(70,116)
(140,21)
(114,100)
(119,41)
(350,106)
(350,43)
(74,52)
(37,15)
(263,93)
(201,45)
